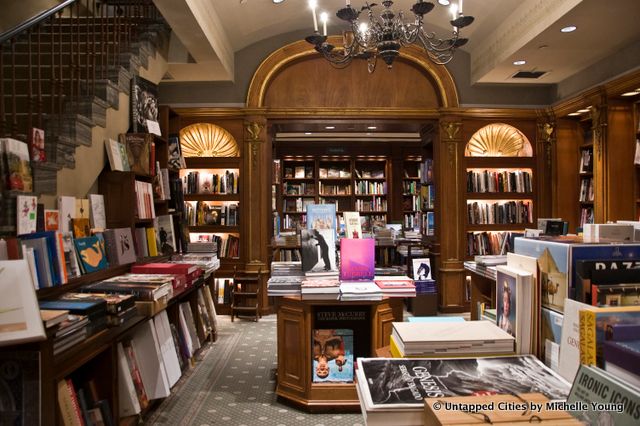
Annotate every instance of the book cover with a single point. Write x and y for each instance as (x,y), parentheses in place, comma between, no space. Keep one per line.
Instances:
(81,227)
(318,250)
(97,214)
(618,401)
(68,403)
(138,152)
(120,246)
(357,259)
(352,224)
(26,211)
(51,220)
(514,292)
(624,354)
(114,153)
(67,208)
(70,255)
(127,397)
(175,155)
(321,216)
(593,327)
(92,254)
(82,208)
(166,235)
(18,165)
(134,371)
(36,145)
(391,383)
(333,356)
(19,312)
(421,269)
(144,103)
(152,369)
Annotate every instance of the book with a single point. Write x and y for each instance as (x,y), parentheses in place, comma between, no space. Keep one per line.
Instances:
(68,403)
(82,208)
(144,104)
(67,208)
(26,209)
(176,161)
(70,255)
(96,211)
(53,317)
(598,398)
(396,383)
(117,153)
(120,246)
(333,355)
(318,250)
(51,220)
(91,253)
(139,152)
(167,347)
(359,290)
(569,358)
(321,216)
(20,319)
(623,354)
(421,269)
(81,227)
(134,372)
(593,328)
(150,364)
(18,165)
(352,224)
(514,292)
(166,235)
(357,259)
(129,403)
(36,145)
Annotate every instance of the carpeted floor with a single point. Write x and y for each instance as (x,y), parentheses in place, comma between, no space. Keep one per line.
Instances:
(234,384)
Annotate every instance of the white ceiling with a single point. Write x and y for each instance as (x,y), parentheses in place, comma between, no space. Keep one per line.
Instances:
(211,31)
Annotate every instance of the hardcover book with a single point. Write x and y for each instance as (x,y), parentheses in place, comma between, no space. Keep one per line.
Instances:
(138,152)
(514,293)
(176,161)
(595,386)
(392,383)
(421,269)
(91,252)
(333,356)
(144,104)
(318,250)
(82,208)
(166,235)
(352,224)
(81,227)
(96,211)
(321,216)
(26,207)
(36,145)
(18,165)
(357,259)
(19,313)
(67,208)
(120,246)
(117,154)
(51,220)
(70,255)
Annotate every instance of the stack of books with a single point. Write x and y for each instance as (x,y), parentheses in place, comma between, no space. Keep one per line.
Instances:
(143,287)
(396,286)
(450,339)
(95,311)
(120,307)
(316,289)
(207,261)
(69,332)
(359,290)
(286,279)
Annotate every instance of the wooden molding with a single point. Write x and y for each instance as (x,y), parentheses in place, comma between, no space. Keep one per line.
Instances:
(300,50)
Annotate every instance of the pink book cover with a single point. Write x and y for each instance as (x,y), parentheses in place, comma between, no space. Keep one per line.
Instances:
(36,145)
(357,259)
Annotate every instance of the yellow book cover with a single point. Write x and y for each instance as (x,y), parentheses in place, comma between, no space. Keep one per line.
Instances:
(151,242)
(593,329)
(393,347)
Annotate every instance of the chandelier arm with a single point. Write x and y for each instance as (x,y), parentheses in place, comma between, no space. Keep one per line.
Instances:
(431,43)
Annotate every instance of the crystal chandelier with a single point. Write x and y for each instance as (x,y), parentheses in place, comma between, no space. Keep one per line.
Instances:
(383,35)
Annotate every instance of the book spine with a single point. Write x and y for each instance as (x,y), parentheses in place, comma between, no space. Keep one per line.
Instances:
(79,419)
(587,337)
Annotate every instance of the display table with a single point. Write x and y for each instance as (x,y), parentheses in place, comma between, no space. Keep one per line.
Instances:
(297,318)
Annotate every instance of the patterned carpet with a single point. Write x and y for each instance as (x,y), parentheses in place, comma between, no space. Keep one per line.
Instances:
(234,384)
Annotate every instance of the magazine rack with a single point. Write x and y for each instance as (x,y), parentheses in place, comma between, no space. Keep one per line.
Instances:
(297,319)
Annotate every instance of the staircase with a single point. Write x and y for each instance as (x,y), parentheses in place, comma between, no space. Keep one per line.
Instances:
(64,69)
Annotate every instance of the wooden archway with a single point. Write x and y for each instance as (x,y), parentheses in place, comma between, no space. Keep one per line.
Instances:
(424,85)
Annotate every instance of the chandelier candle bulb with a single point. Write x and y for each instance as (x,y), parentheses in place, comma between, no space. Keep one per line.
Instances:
(459,9)
(324,16)
(312,5)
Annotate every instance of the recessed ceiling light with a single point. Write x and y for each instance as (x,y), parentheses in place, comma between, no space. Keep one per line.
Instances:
(371,127)
(307,133)
(583,110)
(519,62)
(569,29)
(573,114)
(444,2)
(329,127)
(278,1)
(633,93)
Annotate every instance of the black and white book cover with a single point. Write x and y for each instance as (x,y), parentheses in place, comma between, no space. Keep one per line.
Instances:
(166,235)
(404,383)
(318,250)
(144,104)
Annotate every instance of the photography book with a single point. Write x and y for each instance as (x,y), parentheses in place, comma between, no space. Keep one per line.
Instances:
(333,356)
(357,259)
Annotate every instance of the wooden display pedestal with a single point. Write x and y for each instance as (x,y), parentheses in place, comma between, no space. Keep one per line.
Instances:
(297,318)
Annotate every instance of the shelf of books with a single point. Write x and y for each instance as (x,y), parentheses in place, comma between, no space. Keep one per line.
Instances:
(371,190)
(500,195)
(412,201)
(636,160)
(585,174)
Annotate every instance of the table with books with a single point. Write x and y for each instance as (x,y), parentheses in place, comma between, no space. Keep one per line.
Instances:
(318,342)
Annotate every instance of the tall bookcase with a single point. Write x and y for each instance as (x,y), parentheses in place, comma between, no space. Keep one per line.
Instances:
(500,172)
(637,157)
(412,200)
(586,195)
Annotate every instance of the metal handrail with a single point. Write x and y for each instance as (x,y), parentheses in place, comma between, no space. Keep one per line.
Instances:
(34,21)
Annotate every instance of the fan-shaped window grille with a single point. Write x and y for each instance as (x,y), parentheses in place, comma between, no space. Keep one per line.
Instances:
(207,140)
(498,140)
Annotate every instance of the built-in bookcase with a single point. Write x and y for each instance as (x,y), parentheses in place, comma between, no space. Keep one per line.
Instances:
(500,181)
(585,173)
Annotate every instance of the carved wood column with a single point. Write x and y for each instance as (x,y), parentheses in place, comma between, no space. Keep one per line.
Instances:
(598,126)
(257,166)
(545,163)
(451,213)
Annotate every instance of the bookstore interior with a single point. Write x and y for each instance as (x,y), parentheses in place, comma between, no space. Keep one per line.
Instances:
(201,223)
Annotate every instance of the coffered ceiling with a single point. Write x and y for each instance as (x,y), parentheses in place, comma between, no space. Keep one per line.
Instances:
(207,33)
